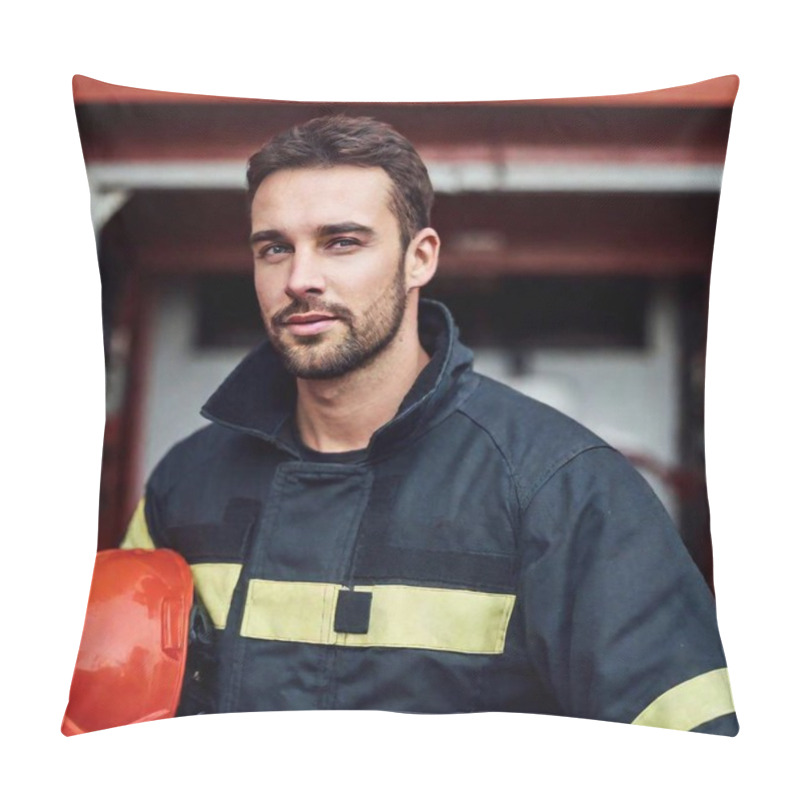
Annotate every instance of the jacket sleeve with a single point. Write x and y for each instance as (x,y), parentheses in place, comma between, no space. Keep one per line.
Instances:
(137,534)
(140,532)
(618,619)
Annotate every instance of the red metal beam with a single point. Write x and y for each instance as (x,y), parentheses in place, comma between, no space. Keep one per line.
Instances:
(719,92)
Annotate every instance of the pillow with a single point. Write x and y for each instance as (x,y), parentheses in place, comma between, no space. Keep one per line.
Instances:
(576,243)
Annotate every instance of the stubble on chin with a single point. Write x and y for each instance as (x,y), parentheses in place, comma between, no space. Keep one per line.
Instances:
(319,358)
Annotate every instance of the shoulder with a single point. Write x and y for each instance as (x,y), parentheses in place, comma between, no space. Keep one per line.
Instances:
(190,455)
(535,439)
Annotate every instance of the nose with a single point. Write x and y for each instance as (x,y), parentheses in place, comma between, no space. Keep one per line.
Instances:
(306,274)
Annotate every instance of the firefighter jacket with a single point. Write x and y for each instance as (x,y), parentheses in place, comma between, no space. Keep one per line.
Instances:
(484,553)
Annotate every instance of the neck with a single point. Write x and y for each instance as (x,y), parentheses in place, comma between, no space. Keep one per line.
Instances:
(341,414)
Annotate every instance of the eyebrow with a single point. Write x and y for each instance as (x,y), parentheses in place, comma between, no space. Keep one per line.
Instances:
(265,236)
(345,227)
(334,229)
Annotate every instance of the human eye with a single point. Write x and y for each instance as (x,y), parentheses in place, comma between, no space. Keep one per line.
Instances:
(343,243)
(273,251)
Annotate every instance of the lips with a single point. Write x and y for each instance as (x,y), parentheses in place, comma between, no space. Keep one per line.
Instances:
(307,319)
(309,324)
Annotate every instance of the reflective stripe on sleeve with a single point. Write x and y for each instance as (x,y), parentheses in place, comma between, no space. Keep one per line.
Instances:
(215,584)
(453,620)
(137,535)
(691,703)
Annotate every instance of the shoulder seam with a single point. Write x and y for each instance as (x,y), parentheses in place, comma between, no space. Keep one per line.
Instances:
(558,465)
(524,498)
(509,465)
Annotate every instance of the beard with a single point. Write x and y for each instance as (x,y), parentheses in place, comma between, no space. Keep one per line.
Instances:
(312,358)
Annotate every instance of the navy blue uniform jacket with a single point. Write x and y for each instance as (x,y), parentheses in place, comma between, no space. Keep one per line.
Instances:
(486,553)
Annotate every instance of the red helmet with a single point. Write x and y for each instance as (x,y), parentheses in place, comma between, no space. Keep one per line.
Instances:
(133,650)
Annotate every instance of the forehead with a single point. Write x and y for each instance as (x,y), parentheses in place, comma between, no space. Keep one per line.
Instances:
(296,198)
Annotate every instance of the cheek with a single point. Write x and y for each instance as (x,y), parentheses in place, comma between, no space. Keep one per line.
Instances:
(267,290)
(372,287)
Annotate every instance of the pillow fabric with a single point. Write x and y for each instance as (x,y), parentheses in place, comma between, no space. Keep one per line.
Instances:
(576,246)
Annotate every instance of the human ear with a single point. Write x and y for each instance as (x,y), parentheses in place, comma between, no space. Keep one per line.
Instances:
(422,258)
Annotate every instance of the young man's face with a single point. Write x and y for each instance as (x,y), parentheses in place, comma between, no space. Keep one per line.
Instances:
(329,270)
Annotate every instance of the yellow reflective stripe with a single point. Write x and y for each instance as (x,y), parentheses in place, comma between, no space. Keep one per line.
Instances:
(439,619)
(454,620)
(215,584)
(290,611)
(691,703)
(137,535)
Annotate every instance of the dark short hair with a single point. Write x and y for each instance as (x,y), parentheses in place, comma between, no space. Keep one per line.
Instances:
(355,141)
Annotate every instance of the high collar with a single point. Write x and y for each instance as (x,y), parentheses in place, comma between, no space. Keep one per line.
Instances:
(259,396)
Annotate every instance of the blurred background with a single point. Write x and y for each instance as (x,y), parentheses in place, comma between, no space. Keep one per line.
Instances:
(577,240)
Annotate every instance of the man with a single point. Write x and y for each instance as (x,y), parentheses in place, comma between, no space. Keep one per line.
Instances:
(370,524)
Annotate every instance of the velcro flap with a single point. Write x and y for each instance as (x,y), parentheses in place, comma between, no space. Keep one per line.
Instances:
(352,612)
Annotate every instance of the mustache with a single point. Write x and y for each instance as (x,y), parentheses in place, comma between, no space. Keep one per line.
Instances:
(311,307)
